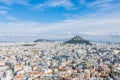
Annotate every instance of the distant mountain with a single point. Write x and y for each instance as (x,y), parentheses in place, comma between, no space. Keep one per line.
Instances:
(78,40)
(44,40)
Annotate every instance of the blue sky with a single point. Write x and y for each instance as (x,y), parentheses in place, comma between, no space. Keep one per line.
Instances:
(59,18)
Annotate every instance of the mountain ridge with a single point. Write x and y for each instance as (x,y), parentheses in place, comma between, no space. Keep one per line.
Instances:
(44,40)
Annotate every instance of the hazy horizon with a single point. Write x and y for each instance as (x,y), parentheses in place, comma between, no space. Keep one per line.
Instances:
(33,38)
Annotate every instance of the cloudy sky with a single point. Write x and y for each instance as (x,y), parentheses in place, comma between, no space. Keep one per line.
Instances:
(58,18)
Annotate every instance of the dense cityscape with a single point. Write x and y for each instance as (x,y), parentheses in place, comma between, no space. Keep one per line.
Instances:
(59,61)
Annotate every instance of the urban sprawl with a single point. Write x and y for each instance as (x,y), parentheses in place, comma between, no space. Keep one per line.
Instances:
(58,61)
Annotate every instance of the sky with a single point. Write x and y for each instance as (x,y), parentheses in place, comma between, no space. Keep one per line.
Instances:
(59,18)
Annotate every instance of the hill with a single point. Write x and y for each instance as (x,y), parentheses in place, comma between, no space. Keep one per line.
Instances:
(78,40)
(43,40)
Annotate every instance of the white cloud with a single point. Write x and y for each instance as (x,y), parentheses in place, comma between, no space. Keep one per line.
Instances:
(11,2)
(3,12)
(20,34)
(4,7)
(11,18)
(67,4)
(67,33)
(104,5)
(99,2)
(21,27)
(82,1)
